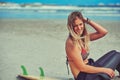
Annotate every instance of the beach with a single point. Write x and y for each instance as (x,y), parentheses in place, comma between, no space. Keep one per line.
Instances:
(38,43)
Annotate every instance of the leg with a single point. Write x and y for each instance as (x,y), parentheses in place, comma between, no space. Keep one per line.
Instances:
(81,76)
(118,66)
(109,60)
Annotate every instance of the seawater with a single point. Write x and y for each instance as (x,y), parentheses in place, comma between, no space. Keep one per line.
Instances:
(97,13)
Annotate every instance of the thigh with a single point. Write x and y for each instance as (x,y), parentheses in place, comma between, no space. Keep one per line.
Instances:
(81,76)
(109,60)
(97,76)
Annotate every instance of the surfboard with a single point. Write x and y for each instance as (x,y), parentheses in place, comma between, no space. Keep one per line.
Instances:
(26,76)
(31,77)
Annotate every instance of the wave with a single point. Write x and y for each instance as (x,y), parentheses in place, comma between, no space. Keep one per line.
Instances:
(38,6)
(67,9)
(55,11)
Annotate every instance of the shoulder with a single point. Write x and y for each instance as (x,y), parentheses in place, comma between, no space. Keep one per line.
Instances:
(69,43)
(71,46)
(73,51)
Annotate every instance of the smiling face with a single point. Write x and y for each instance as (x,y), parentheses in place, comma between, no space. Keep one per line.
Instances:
(77,30)
(78,26)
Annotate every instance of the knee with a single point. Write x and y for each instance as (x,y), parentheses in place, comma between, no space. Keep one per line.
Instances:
(113,52)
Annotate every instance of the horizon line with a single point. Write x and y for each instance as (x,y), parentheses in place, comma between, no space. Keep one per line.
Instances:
(79,5)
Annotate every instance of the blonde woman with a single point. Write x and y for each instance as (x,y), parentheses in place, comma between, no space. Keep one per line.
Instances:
(77,51)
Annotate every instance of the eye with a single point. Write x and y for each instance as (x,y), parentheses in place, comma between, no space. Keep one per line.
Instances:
(81,24)
(76,26)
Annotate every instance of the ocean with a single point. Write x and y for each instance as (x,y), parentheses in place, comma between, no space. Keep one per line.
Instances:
(59,12)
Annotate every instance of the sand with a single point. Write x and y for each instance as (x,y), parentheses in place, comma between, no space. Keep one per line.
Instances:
(40,43)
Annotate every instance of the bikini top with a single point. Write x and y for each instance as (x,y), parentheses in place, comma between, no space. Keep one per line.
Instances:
(84,54)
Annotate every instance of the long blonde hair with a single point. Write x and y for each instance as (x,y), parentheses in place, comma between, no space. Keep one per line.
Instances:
(79,40)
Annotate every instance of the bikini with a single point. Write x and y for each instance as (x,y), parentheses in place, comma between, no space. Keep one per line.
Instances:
(84,55)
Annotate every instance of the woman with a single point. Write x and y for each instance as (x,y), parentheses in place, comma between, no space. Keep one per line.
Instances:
(77,50)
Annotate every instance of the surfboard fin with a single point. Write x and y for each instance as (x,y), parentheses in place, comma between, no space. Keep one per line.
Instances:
(41,72)
(24,70)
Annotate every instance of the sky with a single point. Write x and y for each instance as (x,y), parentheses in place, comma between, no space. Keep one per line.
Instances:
(66,2)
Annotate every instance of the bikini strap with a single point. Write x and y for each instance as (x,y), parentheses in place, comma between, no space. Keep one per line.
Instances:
(67,65)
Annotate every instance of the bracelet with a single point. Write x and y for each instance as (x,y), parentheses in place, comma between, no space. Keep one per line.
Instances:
(88,20)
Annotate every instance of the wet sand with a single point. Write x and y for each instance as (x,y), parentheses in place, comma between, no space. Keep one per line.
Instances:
(40,43)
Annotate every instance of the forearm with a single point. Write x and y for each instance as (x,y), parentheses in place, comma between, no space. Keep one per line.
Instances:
(92,69)
(97,27)
(100,31)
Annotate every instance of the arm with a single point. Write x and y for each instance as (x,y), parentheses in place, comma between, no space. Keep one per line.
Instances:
(100,31)
(74,53)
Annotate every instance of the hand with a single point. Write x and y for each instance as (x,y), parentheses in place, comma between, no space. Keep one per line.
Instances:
(110,72)
(85,61)
(86,20)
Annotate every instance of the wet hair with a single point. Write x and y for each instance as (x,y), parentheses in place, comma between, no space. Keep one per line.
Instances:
(80,40)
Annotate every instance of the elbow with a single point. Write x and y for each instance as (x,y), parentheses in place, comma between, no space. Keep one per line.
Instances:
(104,33)
(83,69)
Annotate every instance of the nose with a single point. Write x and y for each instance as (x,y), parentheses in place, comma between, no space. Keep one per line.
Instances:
(79,26)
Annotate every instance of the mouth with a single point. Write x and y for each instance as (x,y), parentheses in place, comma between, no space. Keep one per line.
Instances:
(80,31)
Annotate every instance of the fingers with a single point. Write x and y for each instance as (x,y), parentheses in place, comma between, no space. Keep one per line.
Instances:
(111,74)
